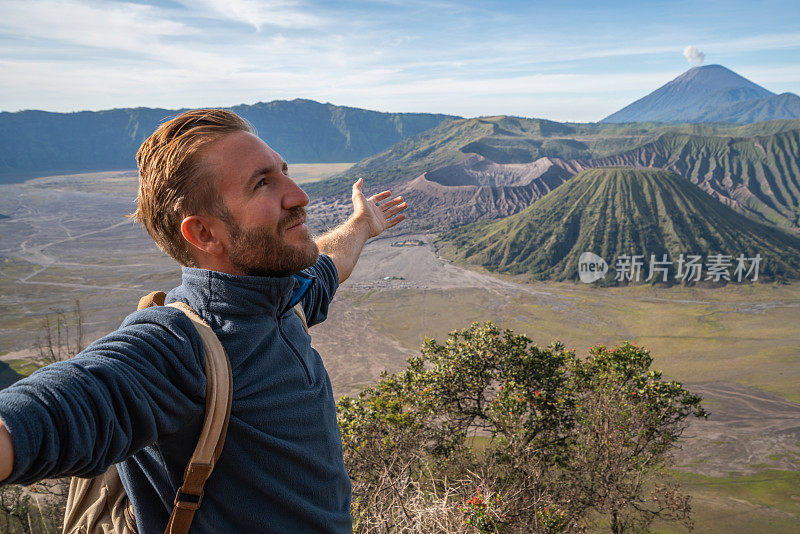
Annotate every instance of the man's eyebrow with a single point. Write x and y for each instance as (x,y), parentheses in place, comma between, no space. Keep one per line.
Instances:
(259,173)
(265,170)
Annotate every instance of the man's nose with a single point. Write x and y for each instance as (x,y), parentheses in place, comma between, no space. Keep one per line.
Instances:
(294,197)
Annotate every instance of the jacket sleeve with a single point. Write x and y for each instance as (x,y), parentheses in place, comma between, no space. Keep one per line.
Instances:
(121,394)
(316,300)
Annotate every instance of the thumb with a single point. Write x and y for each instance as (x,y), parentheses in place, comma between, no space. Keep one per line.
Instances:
(357,186)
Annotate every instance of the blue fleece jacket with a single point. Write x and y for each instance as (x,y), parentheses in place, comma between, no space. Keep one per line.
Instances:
(136,397)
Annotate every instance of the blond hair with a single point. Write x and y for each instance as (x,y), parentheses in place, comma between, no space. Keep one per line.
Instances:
(174,183)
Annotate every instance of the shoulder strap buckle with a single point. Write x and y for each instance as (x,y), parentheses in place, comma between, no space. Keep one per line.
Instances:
(188,501)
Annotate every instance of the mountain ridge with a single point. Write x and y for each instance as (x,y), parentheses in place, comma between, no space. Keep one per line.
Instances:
(509,139)
(758,175)
(302,131)
(782,106)
(476,188)
(726,154)
(613,212)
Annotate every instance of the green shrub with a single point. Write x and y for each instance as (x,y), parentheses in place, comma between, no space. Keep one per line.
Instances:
(491,433)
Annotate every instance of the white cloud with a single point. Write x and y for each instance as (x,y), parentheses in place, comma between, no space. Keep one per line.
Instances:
(119,26)
(693,55)
(528,85)
(259,13)
(208,53)
(754,43)
(554,96)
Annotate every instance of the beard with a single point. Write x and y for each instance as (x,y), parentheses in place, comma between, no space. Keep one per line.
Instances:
(262,252)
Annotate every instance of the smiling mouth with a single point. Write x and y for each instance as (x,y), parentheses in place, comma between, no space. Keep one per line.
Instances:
(295,219)
(296,224)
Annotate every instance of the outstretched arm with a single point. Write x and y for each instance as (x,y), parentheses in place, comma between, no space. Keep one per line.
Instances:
(6,453)
(125,391)
(371,216)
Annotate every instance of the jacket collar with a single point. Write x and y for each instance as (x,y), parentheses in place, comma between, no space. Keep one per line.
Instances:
(214,292)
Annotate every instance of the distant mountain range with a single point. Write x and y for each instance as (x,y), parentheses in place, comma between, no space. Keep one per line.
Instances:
(619,212)
(710,93)
(470,169)
(302,131)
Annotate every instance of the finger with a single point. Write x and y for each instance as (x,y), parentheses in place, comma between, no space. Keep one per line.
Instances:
(380,196)
(357,186)
(391,203)
(392,222)
(395,210)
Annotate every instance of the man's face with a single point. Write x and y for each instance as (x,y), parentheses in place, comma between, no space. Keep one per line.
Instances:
(265,231)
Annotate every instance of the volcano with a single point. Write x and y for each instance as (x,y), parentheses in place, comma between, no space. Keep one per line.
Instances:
(621,212)
(710,93)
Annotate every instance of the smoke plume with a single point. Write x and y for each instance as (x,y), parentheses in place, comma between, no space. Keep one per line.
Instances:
(693,55)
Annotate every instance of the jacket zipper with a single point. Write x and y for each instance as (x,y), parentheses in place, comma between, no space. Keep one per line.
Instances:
(294,350)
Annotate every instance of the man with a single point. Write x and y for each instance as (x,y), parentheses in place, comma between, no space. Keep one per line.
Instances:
(218,200)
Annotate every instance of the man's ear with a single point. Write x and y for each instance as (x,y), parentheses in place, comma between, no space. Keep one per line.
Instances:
(203,234)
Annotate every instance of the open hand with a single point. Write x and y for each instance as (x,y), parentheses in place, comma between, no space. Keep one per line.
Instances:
(377,213)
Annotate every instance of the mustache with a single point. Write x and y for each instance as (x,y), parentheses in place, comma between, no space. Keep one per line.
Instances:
(296,215)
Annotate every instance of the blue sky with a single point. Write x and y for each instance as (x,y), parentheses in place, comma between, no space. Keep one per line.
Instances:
(567,60)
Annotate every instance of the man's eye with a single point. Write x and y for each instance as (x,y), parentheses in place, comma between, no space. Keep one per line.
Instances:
(261,182)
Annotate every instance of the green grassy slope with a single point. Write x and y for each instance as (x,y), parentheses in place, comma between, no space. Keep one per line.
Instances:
(758,174)
(616,211)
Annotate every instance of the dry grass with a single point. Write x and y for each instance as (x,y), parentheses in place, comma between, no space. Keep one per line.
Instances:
(743,334)
(304,173)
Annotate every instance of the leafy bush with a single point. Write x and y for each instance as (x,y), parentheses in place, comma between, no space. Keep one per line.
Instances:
(491,433)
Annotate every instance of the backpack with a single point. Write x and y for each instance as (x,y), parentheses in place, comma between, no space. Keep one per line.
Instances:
(100,504)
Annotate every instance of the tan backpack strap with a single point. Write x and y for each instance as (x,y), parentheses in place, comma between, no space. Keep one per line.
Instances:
(156,298)
(298,311)
(219,395)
